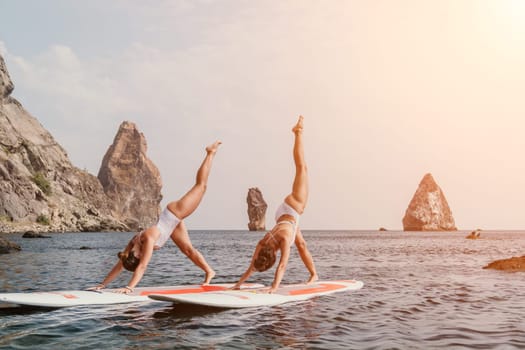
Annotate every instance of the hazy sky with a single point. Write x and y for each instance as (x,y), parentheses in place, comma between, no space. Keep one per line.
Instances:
(390,90)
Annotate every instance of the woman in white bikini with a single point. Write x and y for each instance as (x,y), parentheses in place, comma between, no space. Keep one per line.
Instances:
(286,231)
(140,248)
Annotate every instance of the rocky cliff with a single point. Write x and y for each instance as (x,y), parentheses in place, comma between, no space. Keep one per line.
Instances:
(40,190)
(256,210)
(428,210)
(130,179)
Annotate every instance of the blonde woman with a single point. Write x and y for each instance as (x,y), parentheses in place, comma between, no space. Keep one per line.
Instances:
(139,250)
(286,231)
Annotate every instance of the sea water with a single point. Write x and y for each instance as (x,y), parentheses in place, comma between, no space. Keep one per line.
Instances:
(422,291)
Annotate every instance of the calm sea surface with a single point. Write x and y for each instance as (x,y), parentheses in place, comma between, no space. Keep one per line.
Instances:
(422,291)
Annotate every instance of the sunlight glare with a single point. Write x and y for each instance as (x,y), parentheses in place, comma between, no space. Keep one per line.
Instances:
(514,13)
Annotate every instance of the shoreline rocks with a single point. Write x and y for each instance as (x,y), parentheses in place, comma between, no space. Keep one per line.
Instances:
(7,246)
(33,234)
(40,189)
(513,264)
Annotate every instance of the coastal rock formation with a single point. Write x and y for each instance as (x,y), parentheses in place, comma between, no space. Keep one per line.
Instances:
(6,84)
(7,246)
(428,210)
(40,190)
(256,210)
(131,179)
(511,264)
(32,234)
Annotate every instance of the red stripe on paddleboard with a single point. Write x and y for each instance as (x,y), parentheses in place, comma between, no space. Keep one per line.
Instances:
(185,290)
(233,294)
(320,288)
(67,296)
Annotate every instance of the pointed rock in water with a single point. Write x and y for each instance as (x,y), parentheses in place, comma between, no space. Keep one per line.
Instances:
(428,210)
(37,179)
(131,179)
(256,210)
(474,235)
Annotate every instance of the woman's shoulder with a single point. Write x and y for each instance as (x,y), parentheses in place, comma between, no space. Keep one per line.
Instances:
(284,231)
(284,225)
(150,233)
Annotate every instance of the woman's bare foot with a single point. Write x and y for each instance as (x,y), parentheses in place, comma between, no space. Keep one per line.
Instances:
(213,147)
(299,126)
(313,278)
(209,275)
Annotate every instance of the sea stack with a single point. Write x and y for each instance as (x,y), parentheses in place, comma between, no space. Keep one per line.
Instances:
(256,210)
(428,210)
(131,179)
(40,190)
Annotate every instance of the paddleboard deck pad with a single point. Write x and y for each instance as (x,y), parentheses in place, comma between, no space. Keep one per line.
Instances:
(256,297)
(66,298)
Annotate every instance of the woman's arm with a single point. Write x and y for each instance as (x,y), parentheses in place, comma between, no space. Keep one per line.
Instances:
(115,271)
(145,257)
(250,269)
(281,268)
(244,277)
(306,257)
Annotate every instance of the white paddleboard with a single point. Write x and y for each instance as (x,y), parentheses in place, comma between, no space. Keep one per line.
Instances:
(255,297)
(65,298)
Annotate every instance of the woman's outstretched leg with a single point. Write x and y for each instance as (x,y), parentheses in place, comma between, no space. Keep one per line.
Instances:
(181,238)
(299,196)
(190,201)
